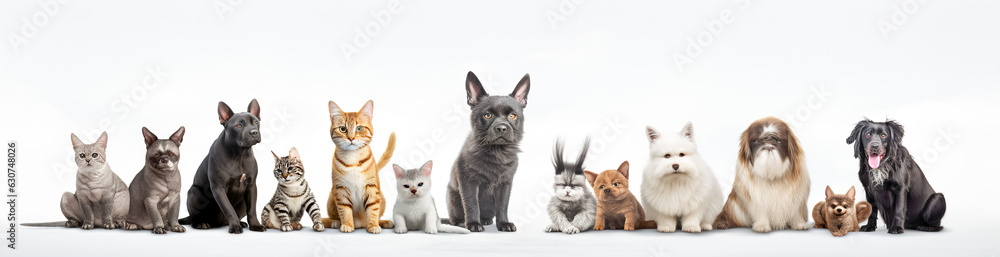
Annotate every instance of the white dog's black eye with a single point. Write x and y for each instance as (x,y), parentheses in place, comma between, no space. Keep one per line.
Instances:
(681,155)
(667,156)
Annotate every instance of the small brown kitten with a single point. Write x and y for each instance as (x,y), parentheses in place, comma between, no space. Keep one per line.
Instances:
(617,208)
(839,213)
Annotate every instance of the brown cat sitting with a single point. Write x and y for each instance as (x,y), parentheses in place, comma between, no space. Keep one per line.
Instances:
(617,208)
(839,213)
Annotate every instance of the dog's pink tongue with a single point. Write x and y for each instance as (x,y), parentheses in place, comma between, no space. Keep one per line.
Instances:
(874,161)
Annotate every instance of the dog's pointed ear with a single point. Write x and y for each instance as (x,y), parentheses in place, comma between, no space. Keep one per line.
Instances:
(224,112)
(368,109)
(76,140)
(591,177)
(254,108)
(895,130)
(473,89)
(294,154)
(850,192)
(829,192)
(178,136)
(426,168)
(398,170)
(557,156)
(623,169)
(335,110)
(521,90)
(688,131)
(148,136)
(103,140)
(652,134)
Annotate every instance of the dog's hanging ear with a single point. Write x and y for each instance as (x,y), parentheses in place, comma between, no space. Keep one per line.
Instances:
(103,140)
(855,137)
(583,156)
(254,108)
(688,131)
(521,90)
(473,89)
(623,169)
(148,136)
(335,110)
(829,192)
(398,170)
(178,136)
(426,168)
(745,153)
(792,144)
(895,131)
(591,177)
(224,113)
(294,154)
(652,134)
(557,156)
(368,109)
(76,140)
(850,192)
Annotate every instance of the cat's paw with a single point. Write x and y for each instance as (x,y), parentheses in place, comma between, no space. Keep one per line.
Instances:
(346,228)
(72,224)
(318,227)
(800,226)
(761,228)
(552,228)
(691,228)
(286,227)
(177,228)
(131,226)
(474,226)
(400,230)
(296,226)
(258,228)
(867,228)
(109,225)
(486,221)
(431,230)
(375,229)
(159,230)
(571,230)
(895,230)
(506,227)
(87,226)
(235,229)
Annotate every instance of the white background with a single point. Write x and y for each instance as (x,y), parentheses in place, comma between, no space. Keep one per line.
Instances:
(599,68)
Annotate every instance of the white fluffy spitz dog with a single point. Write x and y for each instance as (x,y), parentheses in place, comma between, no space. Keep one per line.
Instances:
(677,184)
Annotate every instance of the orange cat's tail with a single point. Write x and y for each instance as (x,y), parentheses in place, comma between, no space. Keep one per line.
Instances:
(388,152)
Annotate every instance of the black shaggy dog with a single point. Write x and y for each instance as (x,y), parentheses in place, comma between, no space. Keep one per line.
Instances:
(893,182)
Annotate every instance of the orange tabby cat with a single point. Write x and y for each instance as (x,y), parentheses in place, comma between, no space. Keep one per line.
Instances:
(356,197)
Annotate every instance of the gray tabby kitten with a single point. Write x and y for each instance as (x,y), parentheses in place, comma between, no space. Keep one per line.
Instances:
(573,208)
(101,197)
(414,208)
(292,198)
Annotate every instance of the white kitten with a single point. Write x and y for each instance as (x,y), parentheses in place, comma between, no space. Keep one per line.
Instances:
(414,209)
(677,184)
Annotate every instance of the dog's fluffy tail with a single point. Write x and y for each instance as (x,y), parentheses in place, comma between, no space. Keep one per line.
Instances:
(46,224)
(388,152)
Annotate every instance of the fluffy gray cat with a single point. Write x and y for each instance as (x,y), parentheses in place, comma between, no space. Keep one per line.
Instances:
(573,208)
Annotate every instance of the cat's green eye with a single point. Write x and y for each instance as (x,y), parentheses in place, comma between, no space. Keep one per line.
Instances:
(359,128)
(488,116)
(82,156)
(343,129)
(94,155)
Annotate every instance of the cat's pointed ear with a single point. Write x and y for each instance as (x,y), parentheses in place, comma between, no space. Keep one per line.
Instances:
(688,131)
(254,108)
(335,110)
(623,169)
(398,170)
(591,177)
(652,134)
(224,112)
(276,158)
(368,109)
(850,192)
(148,136)
(76,140)
(829,192)
(294,154)
(426,169)
(473,89)
(103,140)
(521,90)
(178,136)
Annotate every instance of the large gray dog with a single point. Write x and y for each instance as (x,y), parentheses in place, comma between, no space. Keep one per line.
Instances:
(225,186)
(480,184)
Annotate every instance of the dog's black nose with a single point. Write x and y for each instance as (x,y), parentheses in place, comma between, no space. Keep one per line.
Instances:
(502,128)
(677,166)
(254,132)
(607,190)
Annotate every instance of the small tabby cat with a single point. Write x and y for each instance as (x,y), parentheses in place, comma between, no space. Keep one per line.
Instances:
(356,198)
(292,198)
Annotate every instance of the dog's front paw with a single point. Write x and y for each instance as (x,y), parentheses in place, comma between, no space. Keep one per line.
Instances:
(131,226)
(258,228)
(552,228)
(706,227)
(346,228)
(666,228)
(177,228)
(506,227)
(318,227)
(571,230)
(109,225)
(244,224)
(800,226)
(839,233)
(761,228)
(599,226)
(867,228)
(235,229)
(159,230)
(87,226)
(375,229)
(691,228)
(486,221)
(474,226)
(895,230)
(285,227)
